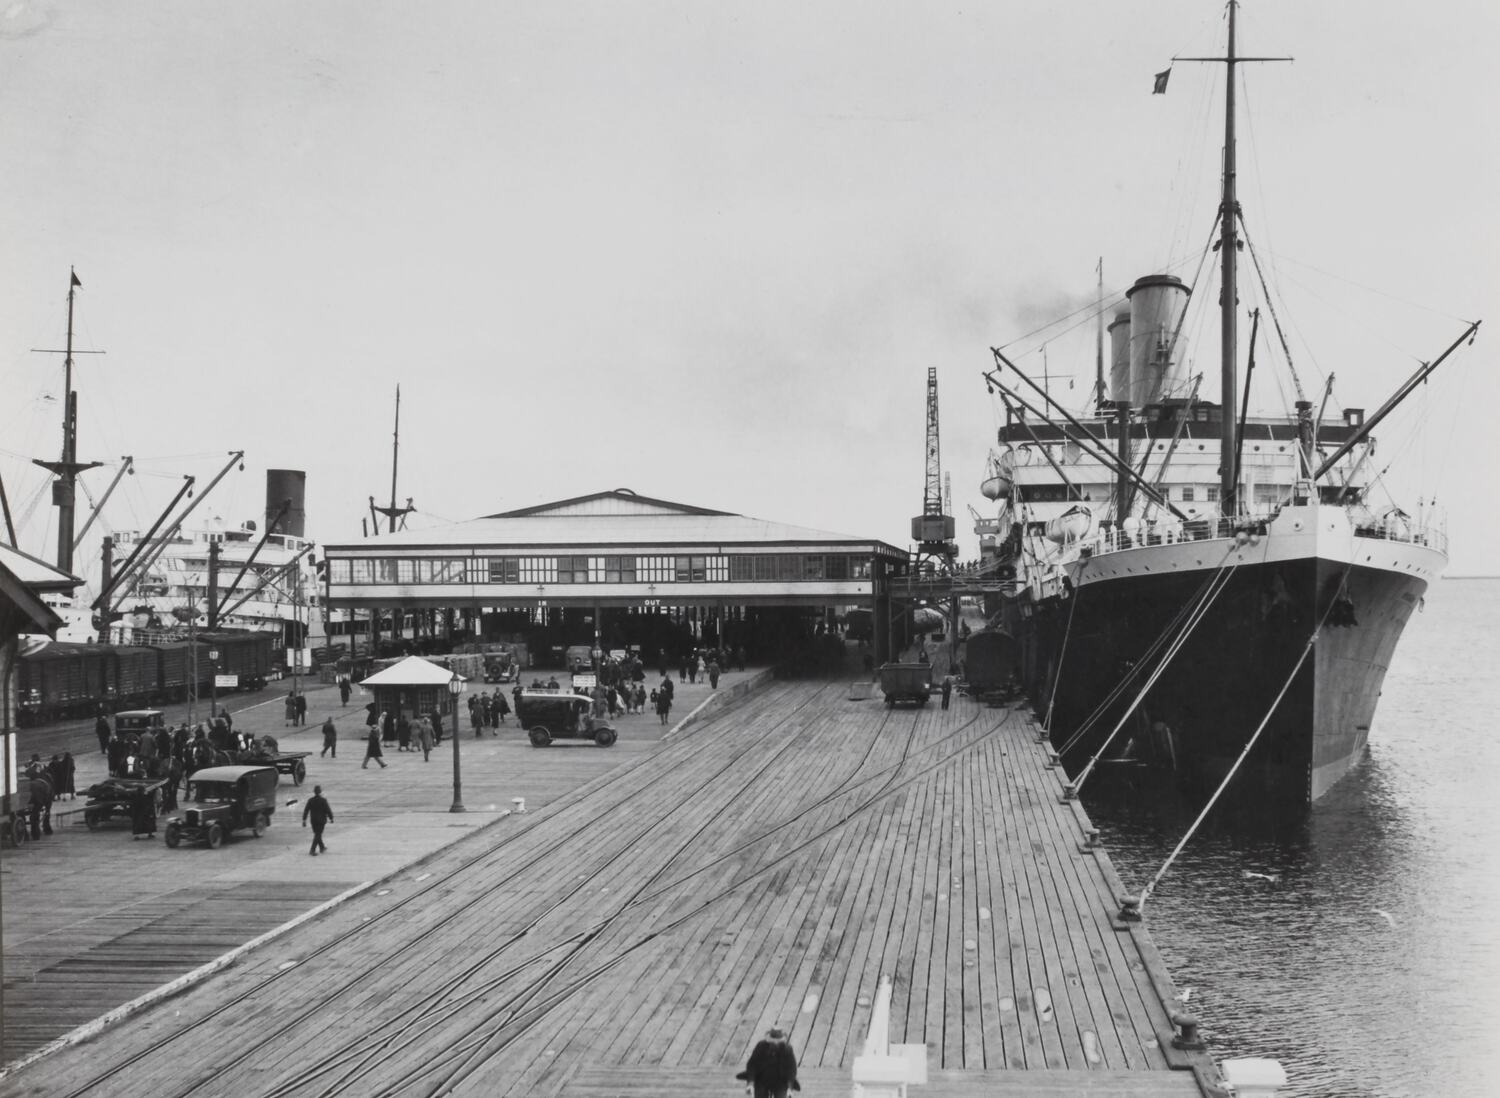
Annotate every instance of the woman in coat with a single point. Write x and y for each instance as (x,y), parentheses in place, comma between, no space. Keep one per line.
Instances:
(372,748)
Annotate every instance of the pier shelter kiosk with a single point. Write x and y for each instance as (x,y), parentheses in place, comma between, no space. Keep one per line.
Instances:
(613,553)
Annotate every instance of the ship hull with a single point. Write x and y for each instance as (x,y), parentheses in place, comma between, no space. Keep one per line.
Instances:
(1078,644)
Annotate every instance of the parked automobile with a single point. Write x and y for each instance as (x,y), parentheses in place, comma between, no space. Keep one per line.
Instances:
(223,799)
(547,716)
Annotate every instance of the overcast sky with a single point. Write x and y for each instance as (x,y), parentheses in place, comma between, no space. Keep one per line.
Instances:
(706,251)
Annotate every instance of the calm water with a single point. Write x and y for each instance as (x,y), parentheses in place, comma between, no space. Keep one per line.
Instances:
(1372,967)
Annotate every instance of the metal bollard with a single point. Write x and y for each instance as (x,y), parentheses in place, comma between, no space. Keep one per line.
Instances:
(1090,842)
(519,804)
(1187,1032)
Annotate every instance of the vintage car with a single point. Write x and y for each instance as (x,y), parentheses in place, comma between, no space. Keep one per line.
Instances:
(221,799)
(546,716)
(137,721)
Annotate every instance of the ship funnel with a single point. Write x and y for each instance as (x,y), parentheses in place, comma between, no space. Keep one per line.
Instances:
(1119,356)
(1157,303)
(283,485)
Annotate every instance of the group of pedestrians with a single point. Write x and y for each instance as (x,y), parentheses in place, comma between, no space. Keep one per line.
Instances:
(707,665)
(423,734)
(488,710)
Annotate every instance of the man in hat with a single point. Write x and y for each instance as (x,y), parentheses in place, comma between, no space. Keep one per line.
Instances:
(772,1068)
(317,808)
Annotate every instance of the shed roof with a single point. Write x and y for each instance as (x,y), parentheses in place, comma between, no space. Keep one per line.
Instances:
(23,579)
(412,671)
(618,519)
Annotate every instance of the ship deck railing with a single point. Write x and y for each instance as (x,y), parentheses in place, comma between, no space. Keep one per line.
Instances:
(1112,539)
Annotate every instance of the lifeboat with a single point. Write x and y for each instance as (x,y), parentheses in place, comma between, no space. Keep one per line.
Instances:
(997,480)
(1072,524)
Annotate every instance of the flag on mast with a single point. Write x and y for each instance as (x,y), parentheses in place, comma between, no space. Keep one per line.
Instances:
(1160,87)
(76,280)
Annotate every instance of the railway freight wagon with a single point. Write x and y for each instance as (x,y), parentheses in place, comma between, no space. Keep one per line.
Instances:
(990,663)
(137,675)
(73,680)
(248,656)
(63,680)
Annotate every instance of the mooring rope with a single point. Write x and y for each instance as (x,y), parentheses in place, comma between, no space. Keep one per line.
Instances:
(1254,736)
(1062,652)
(1146,656)
(1220,581)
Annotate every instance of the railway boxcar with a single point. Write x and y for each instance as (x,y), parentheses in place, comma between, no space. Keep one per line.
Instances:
(248,656)
(989,662)
(136,675)
(178,669)
(62,679)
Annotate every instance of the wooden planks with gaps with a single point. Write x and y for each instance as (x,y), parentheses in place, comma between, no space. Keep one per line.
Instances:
(638,935)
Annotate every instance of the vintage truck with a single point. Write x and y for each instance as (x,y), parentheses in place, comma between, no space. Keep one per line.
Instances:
(222,799)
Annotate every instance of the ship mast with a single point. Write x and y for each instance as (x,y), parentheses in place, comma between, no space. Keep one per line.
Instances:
(392,513)
(1229,245)
(1229,297)
(67,467)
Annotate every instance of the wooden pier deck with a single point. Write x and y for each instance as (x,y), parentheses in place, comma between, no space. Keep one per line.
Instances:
(766,866)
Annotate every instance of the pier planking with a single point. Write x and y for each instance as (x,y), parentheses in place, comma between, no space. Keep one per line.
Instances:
(864,870)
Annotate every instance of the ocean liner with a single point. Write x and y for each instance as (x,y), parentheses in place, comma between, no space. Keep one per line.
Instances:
(1186,583)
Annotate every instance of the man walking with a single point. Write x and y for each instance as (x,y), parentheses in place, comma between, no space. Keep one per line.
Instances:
(102,730)
(343,690)
(772,1068)
(322,815)
(424,738)
(947,688)
(330,739)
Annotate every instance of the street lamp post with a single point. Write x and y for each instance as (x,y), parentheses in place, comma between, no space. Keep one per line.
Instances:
(456,687)
(213,705)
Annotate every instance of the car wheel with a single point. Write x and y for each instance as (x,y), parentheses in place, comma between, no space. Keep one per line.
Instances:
(260,824)
(604,737)
(91,819)
(18,835)
(299,772)
(540,737)
(173,836)
(215,836)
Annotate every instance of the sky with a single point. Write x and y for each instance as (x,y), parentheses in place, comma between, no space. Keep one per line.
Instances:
(707,252)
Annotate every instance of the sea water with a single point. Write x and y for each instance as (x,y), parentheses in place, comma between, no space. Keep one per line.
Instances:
(1356,941)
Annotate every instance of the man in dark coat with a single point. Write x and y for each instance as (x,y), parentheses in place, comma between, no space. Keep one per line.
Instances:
(318,809)
(101,729)
(41,799)
(344,690)
(772,1068)
(330,739)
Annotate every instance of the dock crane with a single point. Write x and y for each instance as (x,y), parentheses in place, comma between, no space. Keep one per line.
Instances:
(933,529)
